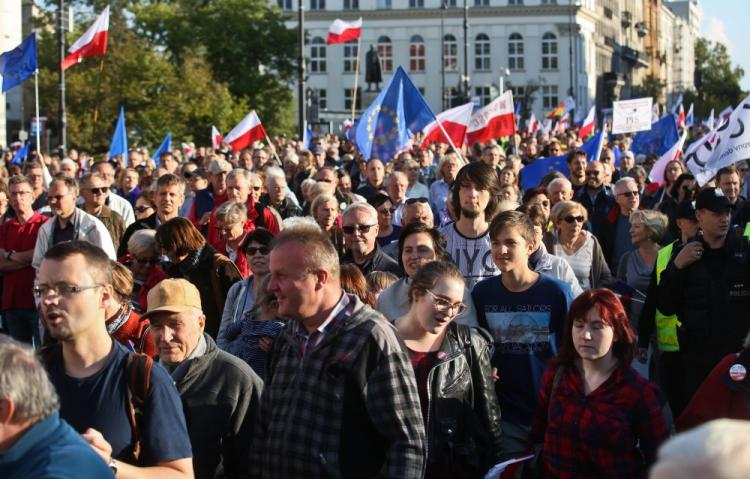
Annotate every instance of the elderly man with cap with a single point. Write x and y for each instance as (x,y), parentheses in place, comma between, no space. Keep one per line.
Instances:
(213,196)
(707,285)
(220,393)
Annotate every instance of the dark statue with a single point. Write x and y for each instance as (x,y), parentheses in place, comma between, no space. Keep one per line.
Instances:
(373,74)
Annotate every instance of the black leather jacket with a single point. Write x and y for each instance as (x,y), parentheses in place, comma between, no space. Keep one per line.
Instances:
(463,421)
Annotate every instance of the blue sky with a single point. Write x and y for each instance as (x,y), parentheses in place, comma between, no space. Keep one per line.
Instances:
(726,21)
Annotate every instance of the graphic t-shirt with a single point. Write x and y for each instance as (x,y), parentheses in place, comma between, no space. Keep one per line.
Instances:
(473,256)
(526,329)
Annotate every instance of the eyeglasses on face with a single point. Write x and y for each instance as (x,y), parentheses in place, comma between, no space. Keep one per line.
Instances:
(143,208)
(445,306)
(363,229)
(628,194)
(257,188)
(98,191)
(387,211)
(570,219)
(251,250)
(62,289)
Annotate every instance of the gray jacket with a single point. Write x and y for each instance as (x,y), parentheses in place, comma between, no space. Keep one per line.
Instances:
(233,307)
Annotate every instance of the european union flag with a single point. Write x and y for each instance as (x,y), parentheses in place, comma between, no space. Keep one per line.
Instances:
(517,112)
(387,126)
(532,174)
(20,155)
(593,147)
(307,137)
(659,139)
(18,64)
(166,146)
(119,144)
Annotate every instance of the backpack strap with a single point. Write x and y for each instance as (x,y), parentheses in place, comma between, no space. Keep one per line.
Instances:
(138,375)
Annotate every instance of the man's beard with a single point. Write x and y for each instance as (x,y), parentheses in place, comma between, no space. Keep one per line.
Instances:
(469,214)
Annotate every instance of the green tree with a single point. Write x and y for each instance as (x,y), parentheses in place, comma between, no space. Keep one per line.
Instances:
(716,80)
(651,86)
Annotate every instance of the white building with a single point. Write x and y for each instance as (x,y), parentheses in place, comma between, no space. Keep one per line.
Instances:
(10,37)
(527,42)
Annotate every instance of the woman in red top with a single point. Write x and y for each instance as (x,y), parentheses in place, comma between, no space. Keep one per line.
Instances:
(597,416)
(233,228)
(123,323)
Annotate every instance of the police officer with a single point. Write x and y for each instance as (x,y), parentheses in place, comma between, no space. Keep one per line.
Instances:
(707,285)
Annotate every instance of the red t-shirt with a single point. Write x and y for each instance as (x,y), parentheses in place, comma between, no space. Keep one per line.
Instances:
(17,285)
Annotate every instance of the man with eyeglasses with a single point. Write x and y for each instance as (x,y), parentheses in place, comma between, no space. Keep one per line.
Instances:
(360,226)
(90,371)
(596,197)
(17,241)
(614,233)
(69,223)
(94,190)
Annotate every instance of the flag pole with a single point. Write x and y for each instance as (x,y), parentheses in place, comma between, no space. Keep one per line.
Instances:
(98,97)
(450,142)
(356,77)
(38,123)
(273,148)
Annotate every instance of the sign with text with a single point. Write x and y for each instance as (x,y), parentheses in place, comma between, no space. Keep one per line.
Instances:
(630,116)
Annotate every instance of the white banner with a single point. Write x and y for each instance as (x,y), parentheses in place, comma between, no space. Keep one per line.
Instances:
(726,145)
(629,116)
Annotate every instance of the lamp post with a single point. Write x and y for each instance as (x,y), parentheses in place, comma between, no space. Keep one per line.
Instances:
(466,49)
(61,46)
(504,72)
(301,113)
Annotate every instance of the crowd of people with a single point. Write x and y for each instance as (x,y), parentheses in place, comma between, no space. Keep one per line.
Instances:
(287,311)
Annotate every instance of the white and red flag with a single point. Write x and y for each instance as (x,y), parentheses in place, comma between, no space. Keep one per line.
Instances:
(533,124)
(247,132)
(562,125)
(341,31)
(215,138)
(657,171)
(681,117)
(93,43)
(587,127)
(455,123)
(494,120)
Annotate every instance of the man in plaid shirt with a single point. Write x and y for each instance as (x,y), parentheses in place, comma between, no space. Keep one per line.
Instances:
(340,398)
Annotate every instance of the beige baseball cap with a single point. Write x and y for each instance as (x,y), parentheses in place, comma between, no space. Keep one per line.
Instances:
(218,166)
(173,296)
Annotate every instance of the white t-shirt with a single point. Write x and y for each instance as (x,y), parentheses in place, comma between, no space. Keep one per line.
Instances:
(473,256)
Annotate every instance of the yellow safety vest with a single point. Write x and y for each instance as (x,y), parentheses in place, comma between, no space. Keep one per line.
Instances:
(747,230)
(666,326)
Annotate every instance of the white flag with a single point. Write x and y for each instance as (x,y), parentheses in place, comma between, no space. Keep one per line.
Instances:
(726,145)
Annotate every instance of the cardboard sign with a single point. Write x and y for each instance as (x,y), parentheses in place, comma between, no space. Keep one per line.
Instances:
(630,116)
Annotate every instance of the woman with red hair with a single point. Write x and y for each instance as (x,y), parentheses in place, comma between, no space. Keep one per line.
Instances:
(597,416)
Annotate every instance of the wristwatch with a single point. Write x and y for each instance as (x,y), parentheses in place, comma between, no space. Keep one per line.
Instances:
(113,466)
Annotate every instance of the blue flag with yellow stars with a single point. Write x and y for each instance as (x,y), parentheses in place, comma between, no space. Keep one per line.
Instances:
(18,64)
(396,115)
(532,174)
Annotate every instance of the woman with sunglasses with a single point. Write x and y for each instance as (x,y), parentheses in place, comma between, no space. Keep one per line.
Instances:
(144,205)
(387,231)
(454,377)
(242,295)
(577,246)
(683,189)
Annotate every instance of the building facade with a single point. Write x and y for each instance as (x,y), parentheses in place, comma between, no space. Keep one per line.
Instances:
(544,50)
(11,34)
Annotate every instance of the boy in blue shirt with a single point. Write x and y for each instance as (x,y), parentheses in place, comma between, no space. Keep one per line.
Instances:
(524,311)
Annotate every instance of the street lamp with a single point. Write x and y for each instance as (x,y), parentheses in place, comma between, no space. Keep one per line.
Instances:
(504,72)
(301,114)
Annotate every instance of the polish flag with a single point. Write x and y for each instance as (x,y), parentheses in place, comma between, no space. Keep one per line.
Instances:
(93,43)
(562,125)
(247,132)
(215,138)
(342,32)
(455,122)
(589,122)
(533,124)
(681,117)
(657,171)
(494,120)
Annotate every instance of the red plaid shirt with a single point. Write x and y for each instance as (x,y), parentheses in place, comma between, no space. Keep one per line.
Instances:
(614,432)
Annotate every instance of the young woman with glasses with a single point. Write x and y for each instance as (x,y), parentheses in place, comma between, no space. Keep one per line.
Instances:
(577,246)
(454,378)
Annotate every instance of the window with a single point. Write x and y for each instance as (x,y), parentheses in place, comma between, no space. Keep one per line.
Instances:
(518,92)
(285,4)
(549,51)
(515,2)
(549,96)
(318,55)
(416,3)
(322,95)
(482,52)
(384,5)
(515,51)
(450,3)
(481,3)
(351,4)
(483,92)
(450,95)
(348,98)
(385,52)
(350,57)
(450,53)
(416,54)
(317,4)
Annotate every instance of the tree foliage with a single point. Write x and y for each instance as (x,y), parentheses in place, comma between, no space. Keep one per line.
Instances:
(716,80)
(651,86)
(170,73)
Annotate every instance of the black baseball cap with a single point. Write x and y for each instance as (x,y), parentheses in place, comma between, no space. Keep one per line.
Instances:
(686,210)
(712,199)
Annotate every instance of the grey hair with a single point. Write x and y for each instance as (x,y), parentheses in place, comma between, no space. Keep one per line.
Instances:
(625,180)
(299,222)
(292,157)
(361,206)
(24,382)
(319,200)
(654,221)
(143,244)
(68,161)
(562,182)
(394,175)
(241,172)
(274,172)
(231,212)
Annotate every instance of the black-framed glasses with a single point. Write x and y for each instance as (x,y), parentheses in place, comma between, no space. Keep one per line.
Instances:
(387,211)
(257,188)
(251,250)
(64,290)
(411,201)
(445,306)
(98,191)
(593,173)
(628,194)
(363,229)
(570,219)
(143,208)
